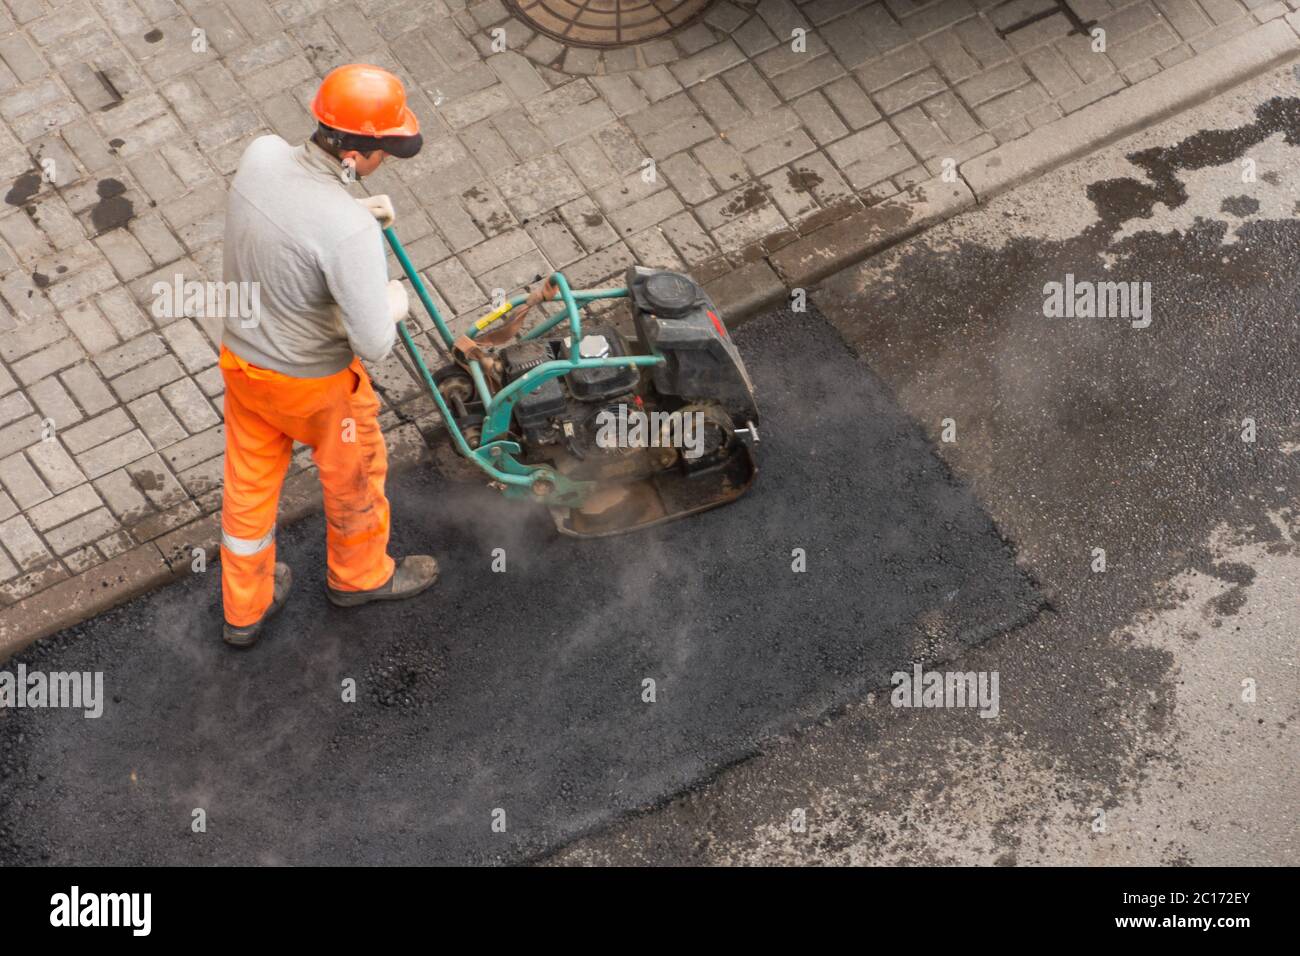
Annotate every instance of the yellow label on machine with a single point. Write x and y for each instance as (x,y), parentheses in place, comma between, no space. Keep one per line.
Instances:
(492,316)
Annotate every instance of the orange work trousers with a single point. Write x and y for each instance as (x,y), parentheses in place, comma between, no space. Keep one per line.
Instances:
(337,416)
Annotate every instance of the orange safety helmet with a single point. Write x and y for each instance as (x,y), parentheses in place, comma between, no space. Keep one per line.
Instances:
(369,104)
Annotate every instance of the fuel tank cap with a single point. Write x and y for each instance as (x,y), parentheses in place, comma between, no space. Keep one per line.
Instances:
(593,346)
(671,294)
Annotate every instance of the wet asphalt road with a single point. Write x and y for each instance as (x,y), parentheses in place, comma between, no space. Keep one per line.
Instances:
(522,691)
(1126,735)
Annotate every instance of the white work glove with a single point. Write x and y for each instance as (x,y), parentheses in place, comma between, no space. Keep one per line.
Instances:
(399,305)
(381,207)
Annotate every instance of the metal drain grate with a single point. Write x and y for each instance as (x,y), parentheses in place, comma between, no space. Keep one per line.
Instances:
(607,23)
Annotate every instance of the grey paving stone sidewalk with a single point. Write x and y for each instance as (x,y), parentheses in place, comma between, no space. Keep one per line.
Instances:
(121,120)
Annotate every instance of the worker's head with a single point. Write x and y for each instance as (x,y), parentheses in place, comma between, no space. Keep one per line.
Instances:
(363,117)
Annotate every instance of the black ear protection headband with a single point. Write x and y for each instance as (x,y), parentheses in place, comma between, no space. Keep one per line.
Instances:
(403,147)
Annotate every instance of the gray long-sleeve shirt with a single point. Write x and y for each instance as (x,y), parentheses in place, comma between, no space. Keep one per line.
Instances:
(317,257)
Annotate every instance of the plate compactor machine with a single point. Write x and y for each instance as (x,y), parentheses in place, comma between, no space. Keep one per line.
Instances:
(611,434)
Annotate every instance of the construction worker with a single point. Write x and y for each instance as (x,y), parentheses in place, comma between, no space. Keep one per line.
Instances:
(293,370)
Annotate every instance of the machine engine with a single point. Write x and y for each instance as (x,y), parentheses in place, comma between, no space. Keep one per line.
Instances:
(564,410)
(702,373)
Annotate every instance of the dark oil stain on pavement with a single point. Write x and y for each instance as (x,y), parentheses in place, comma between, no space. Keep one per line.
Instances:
(748,199)
(24,188)
(521,690)
(1119,200)
(1240,206)
(802,179)
(113,210)
(1083,433)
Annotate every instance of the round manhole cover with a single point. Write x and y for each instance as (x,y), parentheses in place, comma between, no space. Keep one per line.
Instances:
(607,23)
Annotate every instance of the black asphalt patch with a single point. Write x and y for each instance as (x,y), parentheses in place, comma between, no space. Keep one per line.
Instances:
(519,696)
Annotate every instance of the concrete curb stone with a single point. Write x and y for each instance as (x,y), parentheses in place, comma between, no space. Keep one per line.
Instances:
(866,232)
(73,600)
(746,291)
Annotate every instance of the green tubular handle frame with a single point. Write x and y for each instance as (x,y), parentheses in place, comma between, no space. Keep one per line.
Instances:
(497,456)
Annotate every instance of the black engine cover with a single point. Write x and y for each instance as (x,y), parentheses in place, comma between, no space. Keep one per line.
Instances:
(602,384)
(534,410)
(674,316)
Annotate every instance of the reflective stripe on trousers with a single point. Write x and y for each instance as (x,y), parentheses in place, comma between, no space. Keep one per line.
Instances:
(245,547)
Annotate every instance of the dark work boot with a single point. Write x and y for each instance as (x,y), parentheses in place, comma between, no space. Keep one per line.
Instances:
(413,574)
(246,636)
